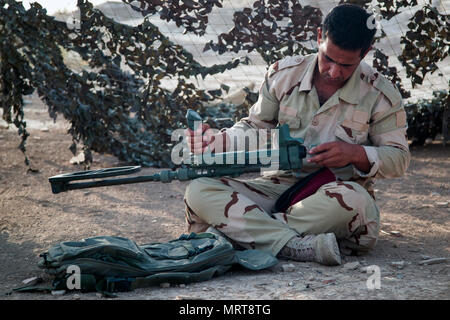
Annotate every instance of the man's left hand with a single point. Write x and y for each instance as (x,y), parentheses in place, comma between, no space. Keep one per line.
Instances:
(338,154)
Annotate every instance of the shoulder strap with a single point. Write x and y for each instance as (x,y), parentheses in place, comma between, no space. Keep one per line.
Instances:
(285,63)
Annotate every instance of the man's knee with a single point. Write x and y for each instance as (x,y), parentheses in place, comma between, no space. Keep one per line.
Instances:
(207,198)
(196,188)
(358,217)
(339,207)
(349,197)
(195,218)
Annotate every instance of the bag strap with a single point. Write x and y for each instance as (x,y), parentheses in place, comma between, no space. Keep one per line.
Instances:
(285,198)
(190,248)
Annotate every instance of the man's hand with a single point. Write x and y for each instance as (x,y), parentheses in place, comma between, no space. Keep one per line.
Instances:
(199,139)
(205,137)
(340,154)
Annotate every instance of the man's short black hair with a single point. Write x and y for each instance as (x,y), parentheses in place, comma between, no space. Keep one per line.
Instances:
(346,25)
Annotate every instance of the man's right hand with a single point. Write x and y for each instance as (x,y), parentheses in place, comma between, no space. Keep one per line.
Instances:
(204,137)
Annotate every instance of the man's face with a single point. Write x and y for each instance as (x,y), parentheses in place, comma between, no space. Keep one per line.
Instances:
(335,64)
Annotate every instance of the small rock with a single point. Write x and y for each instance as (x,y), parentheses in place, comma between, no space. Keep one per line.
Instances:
(328,280)
(31,281)
(398,264)
(390,279)
(182,285)
(165,285)
(44,129)
(290,284)
(433,261)
(58,292)
(78,159)
(351,265)
(364,269)
(435,194)
(76,297)
(181,297)
(288,267)
(442,204)
(396,233)
(205,289)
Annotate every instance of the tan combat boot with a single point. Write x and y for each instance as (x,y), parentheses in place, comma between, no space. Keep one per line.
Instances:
(322,248)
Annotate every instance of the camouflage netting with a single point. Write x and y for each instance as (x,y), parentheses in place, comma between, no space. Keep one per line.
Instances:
(127,114)
(118,106)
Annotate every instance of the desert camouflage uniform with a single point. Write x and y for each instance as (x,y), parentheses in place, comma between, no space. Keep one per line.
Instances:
(367,110)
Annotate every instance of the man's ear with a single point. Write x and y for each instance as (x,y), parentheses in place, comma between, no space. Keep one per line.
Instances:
(319,35)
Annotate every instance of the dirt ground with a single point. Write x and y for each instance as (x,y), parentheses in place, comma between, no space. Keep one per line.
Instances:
(415,226)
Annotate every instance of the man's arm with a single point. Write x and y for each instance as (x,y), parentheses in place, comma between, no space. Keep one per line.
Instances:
(262,115)
(340,154)
(388,154)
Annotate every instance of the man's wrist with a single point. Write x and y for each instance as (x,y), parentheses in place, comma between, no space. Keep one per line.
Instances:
(360,160)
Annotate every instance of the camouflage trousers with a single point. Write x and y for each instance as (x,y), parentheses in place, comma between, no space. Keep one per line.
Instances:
(242,210)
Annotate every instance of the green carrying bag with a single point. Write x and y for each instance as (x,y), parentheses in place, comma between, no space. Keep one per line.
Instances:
(110,264)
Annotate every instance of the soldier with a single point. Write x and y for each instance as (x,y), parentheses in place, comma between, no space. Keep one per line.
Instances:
(353,124)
